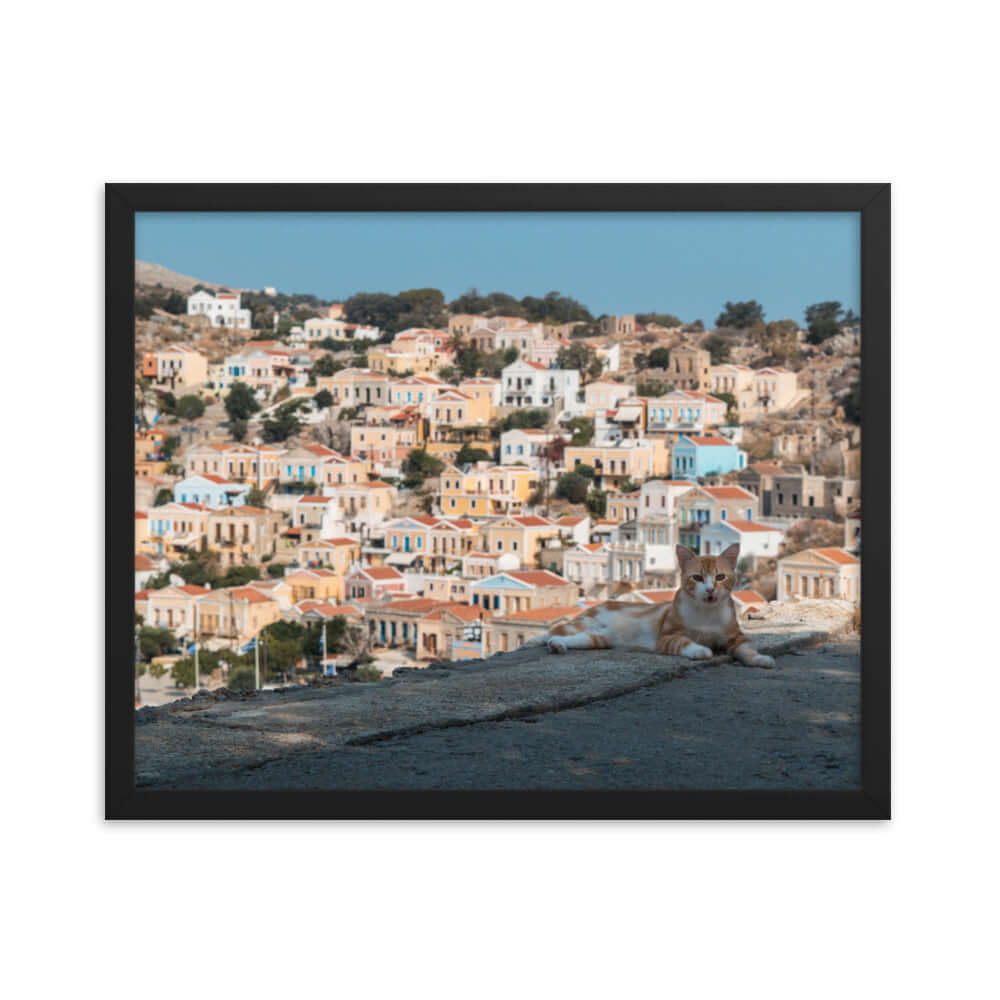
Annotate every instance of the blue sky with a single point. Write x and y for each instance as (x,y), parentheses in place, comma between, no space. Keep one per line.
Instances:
(687,264)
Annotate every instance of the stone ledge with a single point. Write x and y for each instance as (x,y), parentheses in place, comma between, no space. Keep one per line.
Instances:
(227,731)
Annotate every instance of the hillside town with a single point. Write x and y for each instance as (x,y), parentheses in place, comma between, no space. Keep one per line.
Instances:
(353,488)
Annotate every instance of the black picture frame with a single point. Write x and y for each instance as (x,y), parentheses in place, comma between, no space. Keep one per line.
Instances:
(124,801)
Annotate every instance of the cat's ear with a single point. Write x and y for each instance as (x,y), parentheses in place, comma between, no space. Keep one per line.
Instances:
(684,556)
(731,556)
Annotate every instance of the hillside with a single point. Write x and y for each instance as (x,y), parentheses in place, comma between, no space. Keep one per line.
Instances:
(147,273)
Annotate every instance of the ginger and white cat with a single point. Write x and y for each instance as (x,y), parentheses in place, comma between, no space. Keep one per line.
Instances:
(700,621)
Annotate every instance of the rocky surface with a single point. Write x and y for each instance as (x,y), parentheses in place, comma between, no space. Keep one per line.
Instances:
(609,718)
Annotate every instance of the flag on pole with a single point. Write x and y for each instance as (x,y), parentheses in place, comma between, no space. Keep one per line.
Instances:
(248,647)
(192,647)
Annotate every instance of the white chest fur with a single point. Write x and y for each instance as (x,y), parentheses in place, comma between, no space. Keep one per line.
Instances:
(706,623)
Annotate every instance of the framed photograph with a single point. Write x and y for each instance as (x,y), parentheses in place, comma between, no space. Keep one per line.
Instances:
(484,501)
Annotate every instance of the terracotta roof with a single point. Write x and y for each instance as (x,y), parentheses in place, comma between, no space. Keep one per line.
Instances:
(142,595)
(382,573)
(193,589)
(531,521)
(593,546)
(333,542)
(411,604)
(140,514)
(729,492)
(837,556)
(249,594)
(748,526)
(710,441)
(538,578)
(312,499)
(749,597)
(142,563)
(212,478)
(543,614)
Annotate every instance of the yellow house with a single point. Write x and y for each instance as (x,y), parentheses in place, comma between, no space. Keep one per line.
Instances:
(243,534)
(482,492)
(384,359)
(634,458)
(235,615)
(319,584)
(826,572)
(449,632)
(356,387)
(521,536)
(453,408)
(336,554)
(623,506)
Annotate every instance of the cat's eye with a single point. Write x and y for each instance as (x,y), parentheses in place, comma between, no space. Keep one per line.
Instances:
(698,578)
(720,576)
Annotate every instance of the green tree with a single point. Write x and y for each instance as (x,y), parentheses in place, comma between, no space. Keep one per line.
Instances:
(190,407)
(283,422)
(597,503)
(418,465)
(779,338)
(822,330)
(652,389)
(155,641)
(573,487)
(163,495)
(659,357)
(852,403)
(627,485)
(660,319)
(577,356)
(256,497)
(582,429)
(238,429)
(718,347)
(326,365)
(240,402)
(470,453)
(741,315)
(323,399)
(584,470)
(521,419)
(276,569)
(823,311)
(183,671)
(241,679)
(424,307)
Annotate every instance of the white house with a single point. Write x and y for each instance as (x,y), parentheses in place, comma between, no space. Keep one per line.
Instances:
(213,491)
(524,446)
(611,355)
(756,540)
(530,384)
(222,309)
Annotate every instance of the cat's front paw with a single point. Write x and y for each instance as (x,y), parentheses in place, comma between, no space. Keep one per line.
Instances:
(695,651)
(556,646)
(760,660)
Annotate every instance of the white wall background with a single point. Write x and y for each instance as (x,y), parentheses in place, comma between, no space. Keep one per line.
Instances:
(637,91)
